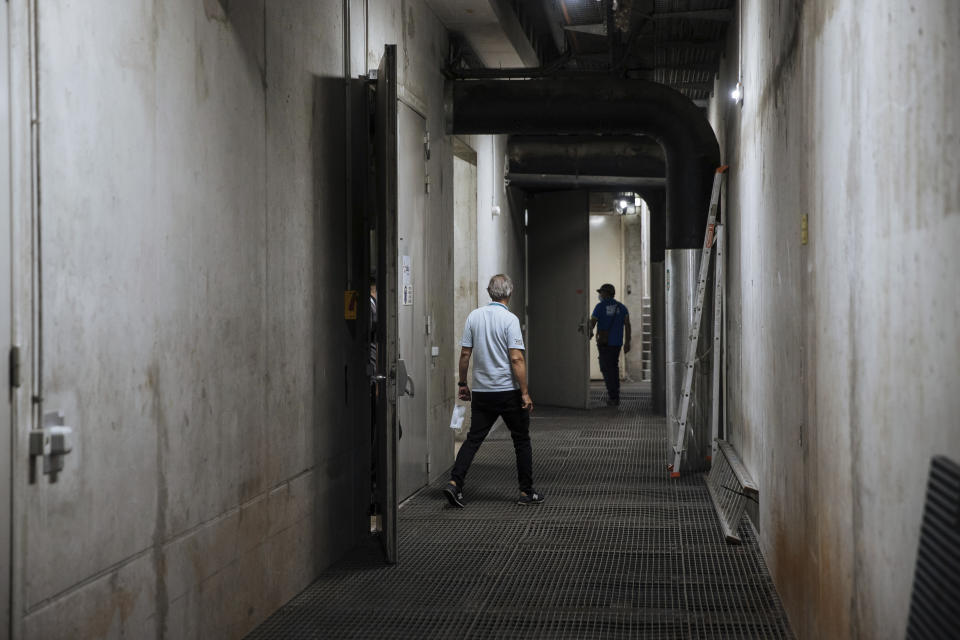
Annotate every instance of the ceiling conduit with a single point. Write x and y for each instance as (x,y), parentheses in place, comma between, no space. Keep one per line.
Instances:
(626,156)
(601,105)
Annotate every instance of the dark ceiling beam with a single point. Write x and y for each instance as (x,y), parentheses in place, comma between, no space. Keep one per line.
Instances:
(510,23)
(462,53)
(589,29)
(550,15)
(554,68)
(566,21)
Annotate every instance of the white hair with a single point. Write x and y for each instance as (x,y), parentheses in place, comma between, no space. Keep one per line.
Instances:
(500,287)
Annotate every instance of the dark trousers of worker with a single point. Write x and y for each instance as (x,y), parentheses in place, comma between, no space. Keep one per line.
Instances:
(610,368)
(486,407)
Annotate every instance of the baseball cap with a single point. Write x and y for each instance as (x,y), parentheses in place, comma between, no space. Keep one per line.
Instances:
(607,288)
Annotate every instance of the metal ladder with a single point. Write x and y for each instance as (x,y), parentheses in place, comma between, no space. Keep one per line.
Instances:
(680,442)
(647,337)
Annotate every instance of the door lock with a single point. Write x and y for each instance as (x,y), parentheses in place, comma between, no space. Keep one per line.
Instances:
(52,442)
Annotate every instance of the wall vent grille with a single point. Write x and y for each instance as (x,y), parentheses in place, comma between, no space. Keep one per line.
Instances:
(936,583)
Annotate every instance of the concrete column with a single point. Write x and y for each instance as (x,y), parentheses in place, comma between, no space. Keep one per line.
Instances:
(657,353)
(656,200)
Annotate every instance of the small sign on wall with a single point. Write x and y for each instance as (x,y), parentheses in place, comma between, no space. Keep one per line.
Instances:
(351,300)
(406,281)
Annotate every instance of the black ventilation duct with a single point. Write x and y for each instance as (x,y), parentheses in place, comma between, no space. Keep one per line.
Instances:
(600,105)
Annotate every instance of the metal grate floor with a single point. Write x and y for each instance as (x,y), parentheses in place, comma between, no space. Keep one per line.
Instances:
(617,550)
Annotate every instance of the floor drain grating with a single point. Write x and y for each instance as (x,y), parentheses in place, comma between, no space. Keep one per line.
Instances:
(617,550)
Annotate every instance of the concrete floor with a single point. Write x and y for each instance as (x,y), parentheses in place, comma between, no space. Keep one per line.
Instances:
(617,550)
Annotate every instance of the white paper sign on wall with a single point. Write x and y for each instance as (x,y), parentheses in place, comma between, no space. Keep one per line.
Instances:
(406,281)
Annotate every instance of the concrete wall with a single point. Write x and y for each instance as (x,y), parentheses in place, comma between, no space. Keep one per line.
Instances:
(464,256)
(193,225)
(493,239)
(842,356)
(500,240)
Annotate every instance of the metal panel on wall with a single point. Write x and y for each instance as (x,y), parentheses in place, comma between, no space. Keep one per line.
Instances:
(6,330)
(412,307)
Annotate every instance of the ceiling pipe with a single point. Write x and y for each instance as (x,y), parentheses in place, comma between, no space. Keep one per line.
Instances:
(587,156)
(600,105)
(556,181)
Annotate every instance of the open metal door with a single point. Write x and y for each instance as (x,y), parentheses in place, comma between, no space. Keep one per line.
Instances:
(412,306)
(389,368)
(558,311)
(6,333)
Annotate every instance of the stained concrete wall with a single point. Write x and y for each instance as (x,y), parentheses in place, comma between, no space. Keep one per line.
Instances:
(843,350)
(498,245)
(193,193)
(464,257)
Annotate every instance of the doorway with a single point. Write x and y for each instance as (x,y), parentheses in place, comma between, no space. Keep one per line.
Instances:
(620,255)
(606,267)
(558,265)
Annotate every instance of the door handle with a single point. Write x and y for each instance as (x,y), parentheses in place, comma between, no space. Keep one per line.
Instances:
(405,385)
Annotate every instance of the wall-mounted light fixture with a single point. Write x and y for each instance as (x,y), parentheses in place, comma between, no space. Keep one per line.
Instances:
(625,204)
(737,93)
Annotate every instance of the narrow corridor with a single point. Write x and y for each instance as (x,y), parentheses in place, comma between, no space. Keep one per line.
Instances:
(617,550)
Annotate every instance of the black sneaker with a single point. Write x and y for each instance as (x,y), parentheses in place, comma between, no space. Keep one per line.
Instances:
(534,497)
(454,495)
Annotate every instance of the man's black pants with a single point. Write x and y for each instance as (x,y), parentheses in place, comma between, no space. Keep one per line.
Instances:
(486,408)
(610,368)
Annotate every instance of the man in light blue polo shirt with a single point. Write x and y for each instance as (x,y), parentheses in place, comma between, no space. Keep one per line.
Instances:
(492,334)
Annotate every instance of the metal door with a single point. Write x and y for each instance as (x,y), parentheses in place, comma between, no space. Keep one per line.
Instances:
(389,367)
(558,240)
(412,307)
(6,333)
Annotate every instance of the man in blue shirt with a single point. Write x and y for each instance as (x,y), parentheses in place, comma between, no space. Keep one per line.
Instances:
(612,321)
